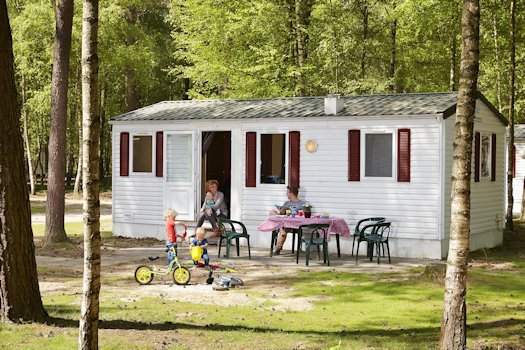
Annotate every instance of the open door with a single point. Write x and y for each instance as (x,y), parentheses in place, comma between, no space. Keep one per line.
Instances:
(180,187)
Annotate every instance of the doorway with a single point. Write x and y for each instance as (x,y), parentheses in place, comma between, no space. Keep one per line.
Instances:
(216,162)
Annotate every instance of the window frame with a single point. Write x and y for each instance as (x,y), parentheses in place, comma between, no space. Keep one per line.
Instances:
(132,150)
(259,160)
(393,133)
(489,156)
(192,135)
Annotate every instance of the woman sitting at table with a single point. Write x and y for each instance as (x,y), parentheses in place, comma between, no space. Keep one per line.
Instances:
(294,204)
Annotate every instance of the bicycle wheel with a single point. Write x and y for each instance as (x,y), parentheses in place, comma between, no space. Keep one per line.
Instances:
(143,274)
(181,275)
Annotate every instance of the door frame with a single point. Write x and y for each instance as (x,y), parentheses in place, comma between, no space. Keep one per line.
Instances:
(199,164)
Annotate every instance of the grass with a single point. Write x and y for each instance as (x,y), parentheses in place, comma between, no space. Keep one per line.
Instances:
(74,229)
(350,311)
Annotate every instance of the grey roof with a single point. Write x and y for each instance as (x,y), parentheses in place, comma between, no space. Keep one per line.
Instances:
(296,107)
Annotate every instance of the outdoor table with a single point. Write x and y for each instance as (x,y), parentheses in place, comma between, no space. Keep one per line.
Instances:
(338,226)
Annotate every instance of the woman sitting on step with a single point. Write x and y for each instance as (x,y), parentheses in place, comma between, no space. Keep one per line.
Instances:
(213,207)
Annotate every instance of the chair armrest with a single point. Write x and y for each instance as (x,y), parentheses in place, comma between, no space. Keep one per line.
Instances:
(232,224)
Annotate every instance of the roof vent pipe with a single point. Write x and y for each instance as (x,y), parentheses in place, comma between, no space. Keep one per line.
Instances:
(333,104)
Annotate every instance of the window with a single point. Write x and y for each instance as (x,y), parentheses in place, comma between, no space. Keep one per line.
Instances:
(273,159)
(378,155)
(179,157)
(485,155)
(142,154)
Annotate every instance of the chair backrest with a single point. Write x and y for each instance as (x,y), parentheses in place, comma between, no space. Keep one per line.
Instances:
(316,230)
(383,229)
(367,230)
(367,221)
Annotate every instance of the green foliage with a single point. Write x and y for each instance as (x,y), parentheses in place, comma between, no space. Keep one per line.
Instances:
(157,49)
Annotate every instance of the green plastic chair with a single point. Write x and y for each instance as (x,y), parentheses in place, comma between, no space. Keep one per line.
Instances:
(313,235)
(364,233)
(362,223)
(380,239)
(230,233)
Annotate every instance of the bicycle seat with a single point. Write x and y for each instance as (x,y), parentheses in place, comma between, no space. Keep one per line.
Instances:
(153,258)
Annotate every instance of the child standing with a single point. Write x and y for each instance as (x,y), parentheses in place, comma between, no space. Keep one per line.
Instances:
(201,241)
(171,234)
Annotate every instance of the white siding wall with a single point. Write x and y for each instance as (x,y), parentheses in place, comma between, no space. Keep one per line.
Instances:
(414,208)
(487,197)
(137,198)
(517,182)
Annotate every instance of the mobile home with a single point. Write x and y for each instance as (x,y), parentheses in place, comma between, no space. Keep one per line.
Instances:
(352,157)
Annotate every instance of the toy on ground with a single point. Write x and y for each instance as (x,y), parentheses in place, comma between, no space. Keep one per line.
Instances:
(180,271)
(227,282)
(181,275)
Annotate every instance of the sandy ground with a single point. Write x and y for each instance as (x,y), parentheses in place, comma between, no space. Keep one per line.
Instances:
(264,277)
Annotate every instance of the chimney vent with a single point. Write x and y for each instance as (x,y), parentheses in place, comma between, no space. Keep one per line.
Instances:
(333,104)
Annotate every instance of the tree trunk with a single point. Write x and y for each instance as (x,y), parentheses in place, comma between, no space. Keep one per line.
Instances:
(496,53)
(452,80)
(303,11)
(89,310)
(55,231)
(30,172)
(19,292)
(509,224)
(393,50)
(132,92)
(102,114)
(364,12)
(453,325)
(78,178)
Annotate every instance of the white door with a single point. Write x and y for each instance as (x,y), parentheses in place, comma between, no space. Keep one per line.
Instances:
(180,187)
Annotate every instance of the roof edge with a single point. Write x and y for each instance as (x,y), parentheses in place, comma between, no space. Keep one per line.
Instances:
(452,109)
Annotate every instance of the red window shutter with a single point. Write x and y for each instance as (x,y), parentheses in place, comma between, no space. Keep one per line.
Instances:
(354,155)
(493,158)
(513,161)
(251,154)
(477,154)
(159,154)
(124,154)
(403,155)
(294,149)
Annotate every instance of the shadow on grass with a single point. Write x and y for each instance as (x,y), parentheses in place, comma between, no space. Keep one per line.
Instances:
(170,326)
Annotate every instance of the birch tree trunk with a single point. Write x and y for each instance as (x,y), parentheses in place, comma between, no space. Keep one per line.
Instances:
(78,177)
(453,325)
(509,224)
(55,231)
(452,79)
(19,291)
(495,35)
(30,172)
(89,309)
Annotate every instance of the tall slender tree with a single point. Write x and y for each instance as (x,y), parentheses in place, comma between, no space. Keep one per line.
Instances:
(55,209)
(30,172)
(19,292)
(303,12)
(89,309)
(453,326)
(509,223)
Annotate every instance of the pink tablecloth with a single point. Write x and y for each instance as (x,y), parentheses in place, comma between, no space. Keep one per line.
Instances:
(337,225)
